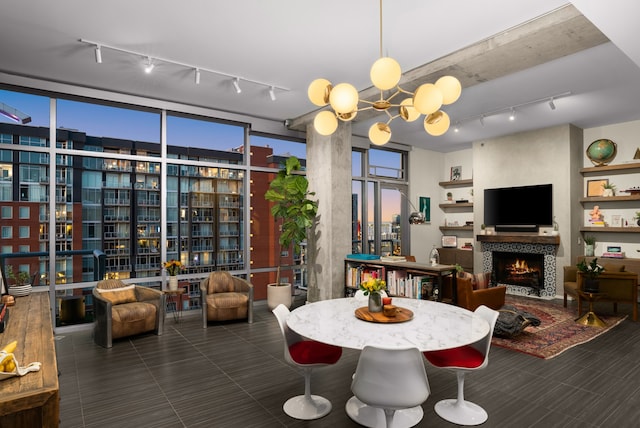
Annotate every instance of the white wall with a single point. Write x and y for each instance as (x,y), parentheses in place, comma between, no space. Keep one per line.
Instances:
(425,171)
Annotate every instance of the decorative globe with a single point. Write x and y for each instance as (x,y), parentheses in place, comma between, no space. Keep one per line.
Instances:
(601,152)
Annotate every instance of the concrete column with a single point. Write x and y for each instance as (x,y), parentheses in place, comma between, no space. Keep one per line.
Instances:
(329,175)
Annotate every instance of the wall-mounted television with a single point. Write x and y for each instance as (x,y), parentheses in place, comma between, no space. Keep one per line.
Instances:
(519,209)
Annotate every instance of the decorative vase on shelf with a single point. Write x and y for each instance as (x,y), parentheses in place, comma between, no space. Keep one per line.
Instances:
(589,250)
(375,302)
(173,283)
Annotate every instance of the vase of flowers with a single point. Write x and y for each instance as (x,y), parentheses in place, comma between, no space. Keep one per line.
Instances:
(590,271)
(373,288)
(173,267)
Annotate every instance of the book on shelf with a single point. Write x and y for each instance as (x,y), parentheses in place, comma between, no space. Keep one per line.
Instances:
(393,258)
(614,255)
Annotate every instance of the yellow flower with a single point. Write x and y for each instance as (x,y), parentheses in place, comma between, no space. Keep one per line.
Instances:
(372,285)
(173,267)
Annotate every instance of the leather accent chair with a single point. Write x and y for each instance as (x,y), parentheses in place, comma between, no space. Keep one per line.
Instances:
(618,285)
(468,298)
(125,310)
(225,297)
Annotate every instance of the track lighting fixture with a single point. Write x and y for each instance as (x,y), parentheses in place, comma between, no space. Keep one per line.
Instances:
(552,105)
(272,93)
(151,61)
(482,120)
(236,84)
(150,65)
(512,116)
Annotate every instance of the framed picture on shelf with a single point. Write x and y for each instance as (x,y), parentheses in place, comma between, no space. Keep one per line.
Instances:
(449,241)
(456,173)
(595,187)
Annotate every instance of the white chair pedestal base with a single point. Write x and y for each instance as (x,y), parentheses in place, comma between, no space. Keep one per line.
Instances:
(373,417)
(307,407)
(461,412)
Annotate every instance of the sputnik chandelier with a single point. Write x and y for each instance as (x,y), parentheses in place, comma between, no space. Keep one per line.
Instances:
(385,75)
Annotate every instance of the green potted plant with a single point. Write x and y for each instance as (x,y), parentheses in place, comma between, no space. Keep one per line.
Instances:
(608,189)
(590,271)
(589,245)
(293,207)
(21,282)
(449,196)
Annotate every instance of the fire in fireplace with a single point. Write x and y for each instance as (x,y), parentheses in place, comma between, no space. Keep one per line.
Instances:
(519,269)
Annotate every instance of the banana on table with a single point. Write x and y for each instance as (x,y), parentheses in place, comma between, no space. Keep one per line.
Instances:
(8,364)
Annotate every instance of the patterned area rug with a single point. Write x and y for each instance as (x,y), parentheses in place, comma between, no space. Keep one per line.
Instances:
(557,331)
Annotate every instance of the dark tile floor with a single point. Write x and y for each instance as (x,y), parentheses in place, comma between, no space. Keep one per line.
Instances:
(234,375)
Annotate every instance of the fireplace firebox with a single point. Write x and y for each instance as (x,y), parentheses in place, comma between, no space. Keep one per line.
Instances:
(519,269)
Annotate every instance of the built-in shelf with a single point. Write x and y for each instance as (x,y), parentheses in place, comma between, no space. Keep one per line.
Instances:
(457,183)
(611,169)
(455,205)
(611,198)
(454,228)
(520,238)
(611,229)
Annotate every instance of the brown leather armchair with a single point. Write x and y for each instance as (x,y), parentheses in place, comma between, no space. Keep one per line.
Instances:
(468,298)
(619,286)
(125,310)
(225,297)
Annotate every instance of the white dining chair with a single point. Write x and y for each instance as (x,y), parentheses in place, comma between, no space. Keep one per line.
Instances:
(306,354)
(464,359)
(389,386)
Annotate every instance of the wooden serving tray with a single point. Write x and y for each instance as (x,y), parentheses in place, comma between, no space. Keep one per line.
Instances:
(379,317)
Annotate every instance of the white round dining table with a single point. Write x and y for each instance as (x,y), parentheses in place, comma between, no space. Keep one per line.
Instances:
(434,325)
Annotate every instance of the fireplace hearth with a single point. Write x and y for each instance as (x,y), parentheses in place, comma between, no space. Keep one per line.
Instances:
(519,269)
(533,260)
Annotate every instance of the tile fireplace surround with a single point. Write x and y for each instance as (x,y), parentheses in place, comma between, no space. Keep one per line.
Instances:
(523,243)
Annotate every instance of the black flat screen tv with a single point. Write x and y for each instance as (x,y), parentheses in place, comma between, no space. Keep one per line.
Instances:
(519,209)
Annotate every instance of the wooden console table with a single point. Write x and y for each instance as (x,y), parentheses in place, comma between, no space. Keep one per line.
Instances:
(31,400)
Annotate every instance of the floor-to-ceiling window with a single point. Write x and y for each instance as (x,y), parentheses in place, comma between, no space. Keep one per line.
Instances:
(143,185)
(378,189)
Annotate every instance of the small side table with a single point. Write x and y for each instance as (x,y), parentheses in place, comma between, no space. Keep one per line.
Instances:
(173,296)
(590,318)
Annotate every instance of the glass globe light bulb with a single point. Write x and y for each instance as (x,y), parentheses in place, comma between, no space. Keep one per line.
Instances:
(437,123)
(379,133)
(319,91)
(385,73)
(451,89)
(407,112)
(325,122)
(427,99)
(344,98)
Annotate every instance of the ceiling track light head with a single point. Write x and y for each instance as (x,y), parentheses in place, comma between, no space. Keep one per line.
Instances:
(552,105)
(512,115)
(197,76)
(236,84)
(272,93)
(150,65)
(98,54)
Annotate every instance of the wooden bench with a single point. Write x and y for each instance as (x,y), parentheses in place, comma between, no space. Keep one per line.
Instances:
(31,400)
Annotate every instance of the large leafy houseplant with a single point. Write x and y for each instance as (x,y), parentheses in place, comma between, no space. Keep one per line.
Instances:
(292,205)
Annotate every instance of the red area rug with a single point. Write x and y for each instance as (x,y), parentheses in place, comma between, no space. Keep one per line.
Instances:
(557,331)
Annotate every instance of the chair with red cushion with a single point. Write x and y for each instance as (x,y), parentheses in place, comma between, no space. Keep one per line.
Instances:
(306,354)
(462,360)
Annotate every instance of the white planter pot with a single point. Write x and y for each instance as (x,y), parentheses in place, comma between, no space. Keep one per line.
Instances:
(607,192)
(173,283)
(277,294)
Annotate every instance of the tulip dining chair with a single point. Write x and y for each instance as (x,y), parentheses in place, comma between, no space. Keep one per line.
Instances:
(462,360)
(306,354)
(389,386)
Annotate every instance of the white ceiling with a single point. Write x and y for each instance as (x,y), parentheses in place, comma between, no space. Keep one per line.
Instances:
(289,43)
